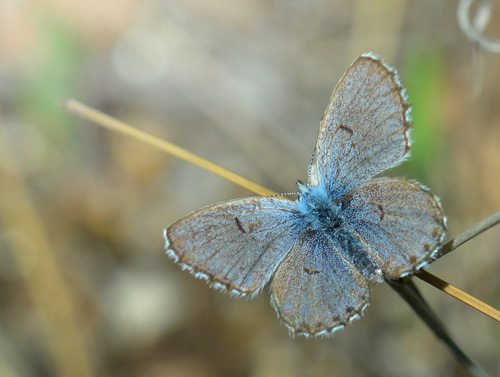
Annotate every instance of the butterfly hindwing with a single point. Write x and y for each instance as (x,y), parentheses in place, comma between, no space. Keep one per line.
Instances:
(399,223)
(235,245)
(316,290)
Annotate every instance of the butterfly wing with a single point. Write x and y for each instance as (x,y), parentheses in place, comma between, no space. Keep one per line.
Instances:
(235,245)
(399,223)
(365,128)
(316,290)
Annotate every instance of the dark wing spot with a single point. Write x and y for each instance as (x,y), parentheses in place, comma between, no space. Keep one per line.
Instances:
(382,213)
(309,232)
(238,224)
(436,232)
(407,142)
(311,272)
(346,129)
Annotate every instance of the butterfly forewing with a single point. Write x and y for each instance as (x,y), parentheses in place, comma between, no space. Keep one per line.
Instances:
(316,290)
(399,223)
(236,245)
(365,128)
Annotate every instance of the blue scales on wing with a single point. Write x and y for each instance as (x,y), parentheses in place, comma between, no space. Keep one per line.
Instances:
(316,289)
(365,128)
(399,223)
(235,245)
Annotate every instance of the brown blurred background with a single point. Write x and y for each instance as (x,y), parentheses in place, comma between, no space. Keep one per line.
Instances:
(85,286)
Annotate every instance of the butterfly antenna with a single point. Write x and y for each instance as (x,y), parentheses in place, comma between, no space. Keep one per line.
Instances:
(283,194)
(309,171)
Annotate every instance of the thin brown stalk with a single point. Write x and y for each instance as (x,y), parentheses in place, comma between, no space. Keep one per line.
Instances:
(115,125)
(470,233)
(458,294)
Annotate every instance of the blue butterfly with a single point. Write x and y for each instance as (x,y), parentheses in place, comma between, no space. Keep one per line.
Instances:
(345,231)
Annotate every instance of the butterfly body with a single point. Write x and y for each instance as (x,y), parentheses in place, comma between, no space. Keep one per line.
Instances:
(324,215)
(347,229)
(321,212)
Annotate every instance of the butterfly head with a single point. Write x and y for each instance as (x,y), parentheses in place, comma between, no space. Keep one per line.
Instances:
(318,209)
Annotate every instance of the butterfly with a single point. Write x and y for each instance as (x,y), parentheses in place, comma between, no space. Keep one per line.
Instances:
(347,230)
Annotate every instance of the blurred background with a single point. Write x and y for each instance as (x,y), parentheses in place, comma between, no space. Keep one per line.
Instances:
(85,286)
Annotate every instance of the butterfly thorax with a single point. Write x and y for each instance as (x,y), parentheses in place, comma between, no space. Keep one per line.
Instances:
(319,210)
